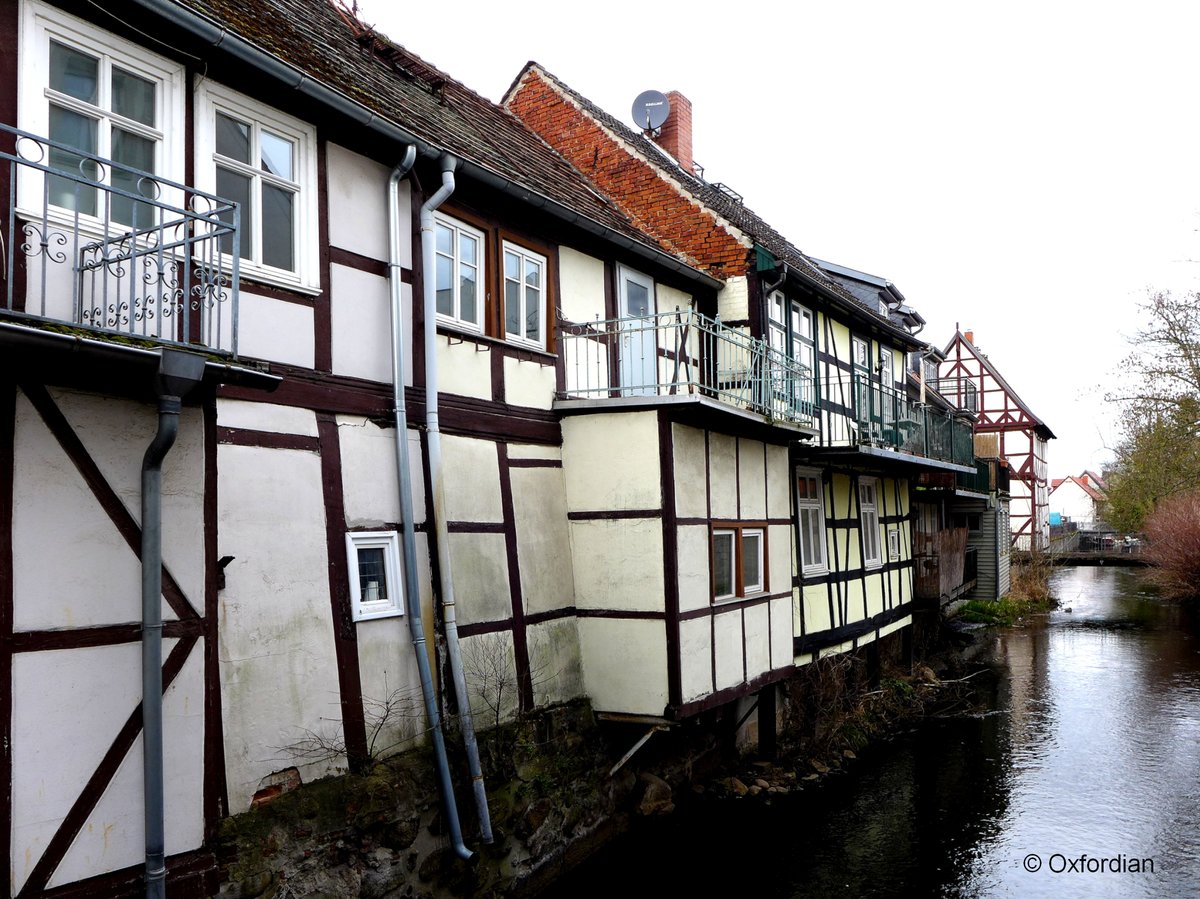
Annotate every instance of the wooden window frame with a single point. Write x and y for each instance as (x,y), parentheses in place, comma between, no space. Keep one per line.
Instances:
(738,529)
(496,237)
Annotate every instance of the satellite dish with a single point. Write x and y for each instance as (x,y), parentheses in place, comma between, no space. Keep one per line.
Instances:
(650,110)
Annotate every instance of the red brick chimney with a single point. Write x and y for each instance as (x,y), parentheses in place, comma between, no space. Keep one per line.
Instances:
(676,132)
(970,335)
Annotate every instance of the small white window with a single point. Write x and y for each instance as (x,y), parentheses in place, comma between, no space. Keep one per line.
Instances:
(266,161)
(524,296)
(374,566)
(459,275)
(869,520)
(810,514)
(893,545)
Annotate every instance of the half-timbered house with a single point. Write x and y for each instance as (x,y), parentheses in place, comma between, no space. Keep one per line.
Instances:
(786,445)
(333,275)
(968,376)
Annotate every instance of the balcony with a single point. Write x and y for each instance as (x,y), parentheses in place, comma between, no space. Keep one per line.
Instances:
(684,354)
(959,392)
(113,252)
(884,418)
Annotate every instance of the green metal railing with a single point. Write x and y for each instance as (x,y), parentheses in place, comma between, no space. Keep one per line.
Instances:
(885,417)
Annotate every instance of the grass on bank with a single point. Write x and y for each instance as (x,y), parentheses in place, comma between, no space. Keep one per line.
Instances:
(1029,594)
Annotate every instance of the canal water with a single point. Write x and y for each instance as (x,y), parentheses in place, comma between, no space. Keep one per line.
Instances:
(1080,776)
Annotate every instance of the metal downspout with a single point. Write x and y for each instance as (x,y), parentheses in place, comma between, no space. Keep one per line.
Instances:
(178,373)
(437,476)
(412,584)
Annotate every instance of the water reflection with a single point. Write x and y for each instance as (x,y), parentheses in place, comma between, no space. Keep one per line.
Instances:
(1092,749)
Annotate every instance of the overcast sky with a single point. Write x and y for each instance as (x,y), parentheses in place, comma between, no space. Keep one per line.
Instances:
(1027,170)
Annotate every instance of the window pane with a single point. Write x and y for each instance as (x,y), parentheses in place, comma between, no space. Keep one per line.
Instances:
(74,73)
(512,266)
(235,187)
(512,307)
(77,131)
(372,574)
(276,154)
(802,487)
(637,299)
(133,97)
(233,138)
(445,240)
(278,231)
(752,561)
(138,153)
(467,248)
(533,274)
(533,317)
(807,555)
(723,564)
(445,287)
(466,293)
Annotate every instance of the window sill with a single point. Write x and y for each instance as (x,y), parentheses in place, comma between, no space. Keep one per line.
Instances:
(374,616)
(541,356)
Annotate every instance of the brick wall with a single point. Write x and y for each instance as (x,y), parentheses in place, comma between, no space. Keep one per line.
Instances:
(652,201)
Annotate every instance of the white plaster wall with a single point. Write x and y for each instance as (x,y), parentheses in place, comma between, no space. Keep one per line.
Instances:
(727,640)
(722,470)
(618,564)
(358,219)
(464,367)
(625,664)
(671,298)
(554,661)
(490,670)
(816,609)
(480,563)
(1070,501)
(275,330)
(611,462)
(67,708)
(97,580)
(543,539)
(266,417)
(387,666)
(581,283)
(779,483)
(779,539)
(534,451)
(370,488)
(278,665)
(472,482)
(895,626)
(691,495)
(757,622)
(695,652)
(782,632)
(360,310)
(733,300)
(112,837)
(695,586)
(752,466)
(529,382)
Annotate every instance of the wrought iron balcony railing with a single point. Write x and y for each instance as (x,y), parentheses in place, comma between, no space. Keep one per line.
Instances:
(685,353)
(91,243)
(879,415)
(961,392)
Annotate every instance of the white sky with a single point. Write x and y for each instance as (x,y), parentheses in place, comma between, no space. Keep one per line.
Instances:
(1027,169)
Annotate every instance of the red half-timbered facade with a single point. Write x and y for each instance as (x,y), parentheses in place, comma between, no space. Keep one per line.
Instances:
(968,378)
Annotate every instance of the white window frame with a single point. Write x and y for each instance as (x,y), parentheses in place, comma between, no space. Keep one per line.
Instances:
(362,608)
(893,539)
(212,98)
(525,256)
(732,534)
(41,23)
(868,518)
(812,506)
(455,320)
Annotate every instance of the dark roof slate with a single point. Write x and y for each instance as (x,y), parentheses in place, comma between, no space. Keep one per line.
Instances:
(327,43)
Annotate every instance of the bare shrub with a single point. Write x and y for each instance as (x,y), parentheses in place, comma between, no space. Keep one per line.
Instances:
(1173,545)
